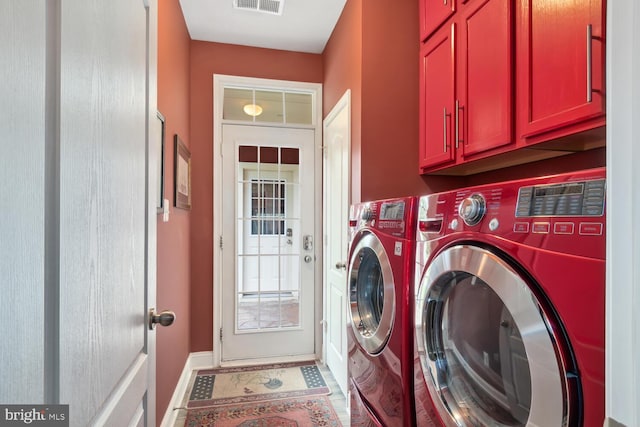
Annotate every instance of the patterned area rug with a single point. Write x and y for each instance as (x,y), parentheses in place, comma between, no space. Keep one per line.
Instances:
(224,386)
(316,411)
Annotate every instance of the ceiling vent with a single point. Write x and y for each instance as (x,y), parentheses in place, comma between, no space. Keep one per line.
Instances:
(272,7)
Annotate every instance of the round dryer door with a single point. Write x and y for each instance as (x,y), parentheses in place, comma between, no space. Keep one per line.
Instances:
(371,294)
(487,354)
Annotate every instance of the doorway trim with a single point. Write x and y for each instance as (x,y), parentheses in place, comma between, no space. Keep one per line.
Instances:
(221,81)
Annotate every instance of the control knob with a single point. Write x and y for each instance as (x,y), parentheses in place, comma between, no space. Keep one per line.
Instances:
(472,209)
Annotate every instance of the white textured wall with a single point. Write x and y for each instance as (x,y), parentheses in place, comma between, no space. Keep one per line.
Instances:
(623,213)
(22,200)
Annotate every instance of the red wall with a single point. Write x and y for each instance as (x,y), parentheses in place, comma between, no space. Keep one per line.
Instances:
(374,52)
(390,100)
(208,59)
(342,71)
(174,236)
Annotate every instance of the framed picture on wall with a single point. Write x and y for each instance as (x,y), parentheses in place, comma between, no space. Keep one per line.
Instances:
(182,175)
(160,162)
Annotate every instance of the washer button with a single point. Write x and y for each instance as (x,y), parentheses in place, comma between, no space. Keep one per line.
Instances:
(494,224)
(454,224)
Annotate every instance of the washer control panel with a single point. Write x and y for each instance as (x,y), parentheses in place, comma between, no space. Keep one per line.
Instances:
(576,199)
(395,217)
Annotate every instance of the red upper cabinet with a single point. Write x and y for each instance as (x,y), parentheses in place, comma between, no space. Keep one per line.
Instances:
(484,114)
(560,64)
(437,92)
(466,85)
(434,13)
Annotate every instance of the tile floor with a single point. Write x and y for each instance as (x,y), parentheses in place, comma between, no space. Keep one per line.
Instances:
(337,399)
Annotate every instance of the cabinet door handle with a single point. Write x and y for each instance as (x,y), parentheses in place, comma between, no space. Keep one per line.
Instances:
(458,108)
(444,129)
(589,63)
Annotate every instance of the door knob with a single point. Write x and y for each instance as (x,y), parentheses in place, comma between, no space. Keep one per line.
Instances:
(165,318)
(308,259)
(341,265)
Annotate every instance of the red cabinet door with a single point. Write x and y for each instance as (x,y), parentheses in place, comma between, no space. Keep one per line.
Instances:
(484,114)
(437,91)
(434,13)
(560,64)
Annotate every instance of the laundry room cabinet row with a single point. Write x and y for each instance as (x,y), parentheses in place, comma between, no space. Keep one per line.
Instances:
(466,84)
(499,77)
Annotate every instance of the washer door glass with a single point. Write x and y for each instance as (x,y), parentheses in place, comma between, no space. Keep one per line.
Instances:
(372,294)
(472,312)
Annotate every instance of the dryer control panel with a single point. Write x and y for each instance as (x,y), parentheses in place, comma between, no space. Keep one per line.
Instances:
(564,213)
(584,198)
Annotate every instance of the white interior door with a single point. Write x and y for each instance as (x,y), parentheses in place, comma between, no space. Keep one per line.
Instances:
(336,137)
(268,244)
(77,256)
(104,211)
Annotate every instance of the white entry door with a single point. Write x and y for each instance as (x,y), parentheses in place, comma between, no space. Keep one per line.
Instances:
(337,133)
(268,242)
(77,249)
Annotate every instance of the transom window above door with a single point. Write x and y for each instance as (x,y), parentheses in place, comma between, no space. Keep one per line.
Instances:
(268,106)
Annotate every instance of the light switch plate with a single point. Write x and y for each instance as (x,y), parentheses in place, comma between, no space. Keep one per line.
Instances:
(165,210)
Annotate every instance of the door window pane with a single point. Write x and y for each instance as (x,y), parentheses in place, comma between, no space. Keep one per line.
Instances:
(268,207)
(267,106)
(272,106)
(299,108)
(234,102)
(268,240)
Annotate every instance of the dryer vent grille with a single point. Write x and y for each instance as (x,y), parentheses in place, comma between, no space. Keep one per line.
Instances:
(273,7)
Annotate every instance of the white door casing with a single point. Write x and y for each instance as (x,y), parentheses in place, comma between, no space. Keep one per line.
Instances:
(86,227)
(337,136)
(220,82)
(261,266)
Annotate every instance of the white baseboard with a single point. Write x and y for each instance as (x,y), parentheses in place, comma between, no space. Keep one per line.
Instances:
(200,360)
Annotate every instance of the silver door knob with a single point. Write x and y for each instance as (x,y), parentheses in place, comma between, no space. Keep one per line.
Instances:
(341,265)
(307,258)
(164,318)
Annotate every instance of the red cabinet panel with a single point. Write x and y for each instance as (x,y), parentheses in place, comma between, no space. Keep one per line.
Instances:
(434,13)
(560,65)
(485,94)
(466,93)
(437,91)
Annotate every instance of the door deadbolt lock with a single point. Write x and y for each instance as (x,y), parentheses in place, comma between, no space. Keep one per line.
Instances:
(164,318)
(307,242)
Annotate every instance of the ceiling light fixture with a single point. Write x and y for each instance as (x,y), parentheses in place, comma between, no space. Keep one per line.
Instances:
(252,110)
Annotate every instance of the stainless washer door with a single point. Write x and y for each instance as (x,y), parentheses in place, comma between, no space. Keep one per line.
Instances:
(371,294)
(487,355)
